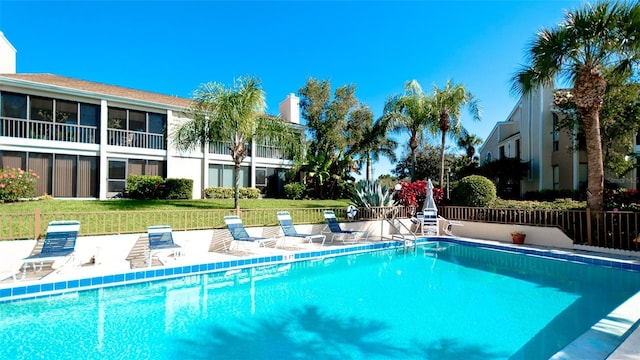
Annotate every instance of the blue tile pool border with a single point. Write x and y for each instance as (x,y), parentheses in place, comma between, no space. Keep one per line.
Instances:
(21,291)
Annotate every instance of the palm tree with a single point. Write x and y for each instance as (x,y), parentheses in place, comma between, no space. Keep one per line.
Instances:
(234,116)
(446,105)
(410,111)
(468,143)
(588,40)
(372,139)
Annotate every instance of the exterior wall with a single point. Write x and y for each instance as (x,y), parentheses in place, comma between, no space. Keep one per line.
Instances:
(7,56)
(531,123)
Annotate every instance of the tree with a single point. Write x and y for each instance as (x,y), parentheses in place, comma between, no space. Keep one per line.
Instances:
(590,39)
(619,122)
(468,143)
(446,105)
(236,116)
(328,124)
(426,163)
(371,141)
(410,111)
(506,174)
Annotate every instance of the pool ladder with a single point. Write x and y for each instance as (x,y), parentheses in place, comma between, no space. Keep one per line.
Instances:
(409,239)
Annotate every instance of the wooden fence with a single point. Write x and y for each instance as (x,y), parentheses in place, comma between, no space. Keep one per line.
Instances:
(610,229)
(34,225)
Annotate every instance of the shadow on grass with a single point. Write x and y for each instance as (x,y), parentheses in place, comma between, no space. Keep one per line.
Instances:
(307,333)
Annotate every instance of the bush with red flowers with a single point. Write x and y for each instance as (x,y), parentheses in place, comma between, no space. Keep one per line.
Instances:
(413,194)
(622,200)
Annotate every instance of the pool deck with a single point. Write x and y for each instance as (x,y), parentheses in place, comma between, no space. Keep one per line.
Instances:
(602,341)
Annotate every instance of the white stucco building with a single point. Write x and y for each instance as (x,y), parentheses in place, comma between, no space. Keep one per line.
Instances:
(84,138)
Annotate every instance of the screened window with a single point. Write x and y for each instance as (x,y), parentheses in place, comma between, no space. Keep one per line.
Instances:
(117,118)
(89,114)
(42,164)
(13,105)
(13,159)
(137,121)
(66,112)
(117,175)
(157,123)
(41,108)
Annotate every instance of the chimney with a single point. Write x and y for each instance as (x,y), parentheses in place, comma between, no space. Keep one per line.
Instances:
(7,56)
(290,108)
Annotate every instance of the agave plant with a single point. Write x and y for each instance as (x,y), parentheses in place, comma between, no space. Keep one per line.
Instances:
(369,194)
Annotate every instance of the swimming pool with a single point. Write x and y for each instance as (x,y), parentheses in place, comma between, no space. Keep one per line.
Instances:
(448,302)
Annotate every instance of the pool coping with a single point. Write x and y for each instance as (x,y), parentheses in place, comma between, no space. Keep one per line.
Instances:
(594,342)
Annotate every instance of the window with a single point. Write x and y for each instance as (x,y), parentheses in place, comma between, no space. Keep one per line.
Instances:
(64,178)
(502,152)
(556,177)
(66,112)
(117,118)
(157,123)
(137,121)
(41,108)
(89,114)
(518,149)
(582,175)
(556,133)
(222,176)
(117,175)
(119,170)
(42,164)
(13,159)
(13,105)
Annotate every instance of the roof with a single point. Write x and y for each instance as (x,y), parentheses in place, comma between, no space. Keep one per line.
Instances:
(70,83)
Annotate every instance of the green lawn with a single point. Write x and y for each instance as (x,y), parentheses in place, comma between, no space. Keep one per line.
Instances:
(48,206)
(20,221)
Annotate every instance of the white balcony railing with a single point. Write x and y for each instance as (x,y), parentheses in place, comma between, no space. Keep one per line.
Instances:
(46,130)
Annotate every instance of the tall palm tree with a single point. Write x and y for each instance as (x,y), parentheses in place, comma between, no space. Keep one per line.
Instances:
(446,105)
(410,111)
(235,116)
(588,40)
(372,140)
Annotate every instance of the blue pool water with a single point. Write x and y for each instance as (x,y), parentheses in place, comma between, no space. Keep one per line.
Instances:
(456,302)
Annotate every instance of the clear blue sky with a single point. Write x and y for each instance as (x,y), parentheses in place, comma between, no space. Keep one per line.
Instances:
(171,47)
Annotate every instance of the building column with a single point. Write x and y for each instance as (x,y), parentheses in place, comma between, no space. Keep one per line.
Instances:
(103,162)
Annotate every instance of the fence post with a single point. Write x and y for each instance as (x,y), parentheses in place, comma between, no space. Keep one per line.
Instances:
(37,216)
(589,226)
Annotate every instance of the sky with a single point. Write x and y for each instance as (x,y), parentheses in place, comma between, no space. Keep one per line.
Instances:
(172,47)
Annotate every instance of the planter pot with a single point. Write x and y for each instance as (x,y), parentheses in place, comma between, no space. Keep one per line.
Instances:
(518,238)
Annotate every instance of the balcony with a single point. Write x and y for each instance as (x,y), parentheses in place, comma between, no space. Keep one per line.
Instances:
(47,130)
(136,139)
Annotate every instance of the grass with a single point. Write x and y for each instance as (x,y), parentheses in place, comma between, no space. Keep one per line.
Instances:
(53,206)
(17,220)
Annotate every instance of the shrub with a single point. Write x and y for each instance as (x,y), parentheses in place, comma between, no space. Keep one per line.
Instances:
(145,187)
(249,193)
(551,195)
(371,193)
(17,184)
(229,193)
(179,188)
(294,190)
(474,190)
(414,194)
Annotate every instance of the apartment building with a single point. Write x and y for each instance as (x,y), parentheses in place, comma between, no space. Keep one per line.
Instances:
(528,134)
(84,138)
